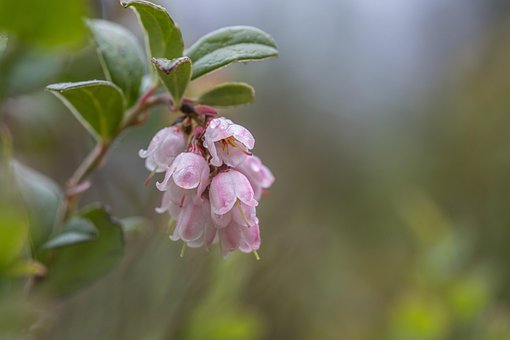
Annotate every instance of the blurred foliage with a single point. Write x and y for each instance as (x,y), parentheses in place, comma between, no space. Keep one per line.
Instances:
(398,229)
(78,264)
(121,57)
(50,23)
(43,203)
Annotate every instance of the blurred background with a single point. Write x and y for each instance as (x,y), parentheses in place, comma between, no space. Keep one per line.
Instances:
(387,126)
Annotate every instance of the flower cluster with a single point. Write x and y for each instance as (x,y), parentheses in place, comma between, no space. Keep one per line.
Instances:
(212,182)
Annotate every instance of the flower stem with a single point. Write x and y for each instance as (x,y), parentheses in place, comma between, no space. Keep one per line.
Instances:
(136,115)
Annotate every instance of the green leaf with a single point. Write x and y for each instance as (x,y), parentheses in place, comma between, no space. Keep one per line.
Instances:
(43,199)
(27,70)
(75,231)
(228,94)
(76,266)
(13,233)
(14,222)
(3,43)
(48,23)
(163,38)
(230,44)
(175,75)
(121,56)
(97,104)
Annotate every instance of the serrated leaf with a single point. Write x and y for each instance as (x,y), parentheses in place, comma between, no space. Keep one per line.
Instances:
(98,105)
(121,56)
(78,265)
(230,44)
(163,37)
(76,230)
(43,199)
(175,75)
(228,94)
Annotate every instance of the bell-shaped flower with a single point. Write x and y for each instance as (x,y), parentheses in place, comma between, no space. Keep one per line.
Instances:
(235,236)
(227,142)
(193,224)
(163,148)
(185,179)
(232,199)
(258,174)
(173,200)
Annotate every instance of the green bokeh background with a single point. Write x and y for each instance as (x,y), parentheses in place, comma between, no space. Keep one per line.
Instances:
(388,131)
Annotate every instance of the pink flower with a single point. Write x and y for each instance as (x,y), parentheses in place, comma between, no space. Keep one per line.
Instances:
(193,224)
(235,236)
(227,142)
(206,207)
(163,148)
(258,174)
(187,177)
(173,198)
(232,199)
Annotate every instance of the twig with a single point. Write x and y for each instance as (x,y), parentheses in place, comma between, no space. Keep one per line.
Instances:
(134,116)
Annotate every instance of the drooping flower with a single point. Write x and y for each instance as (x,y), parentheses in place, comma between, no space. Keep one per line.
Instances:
(193,224)
(185,179)
(163,148)
(227,142)
(235,236)
(212,189)
(258,174)
(172,199)
(232,199)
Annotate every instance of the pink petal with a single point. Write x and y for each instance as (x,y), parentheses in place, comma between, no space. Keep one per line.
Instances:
(165,203)
(210,234)
(188,169)
(247,217)
(256,172)
(173,144)
(164,185)
(242,134)
(206,239)
(218,129)
(204,182)
(221,221)
(197,243)
(250,239)
(211,147)
(192,222)
(229,239)
(243,189)
(163,148)
(174,194)
(174,211)
(232,156)
(222,193)
(158,137)
(176,235)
